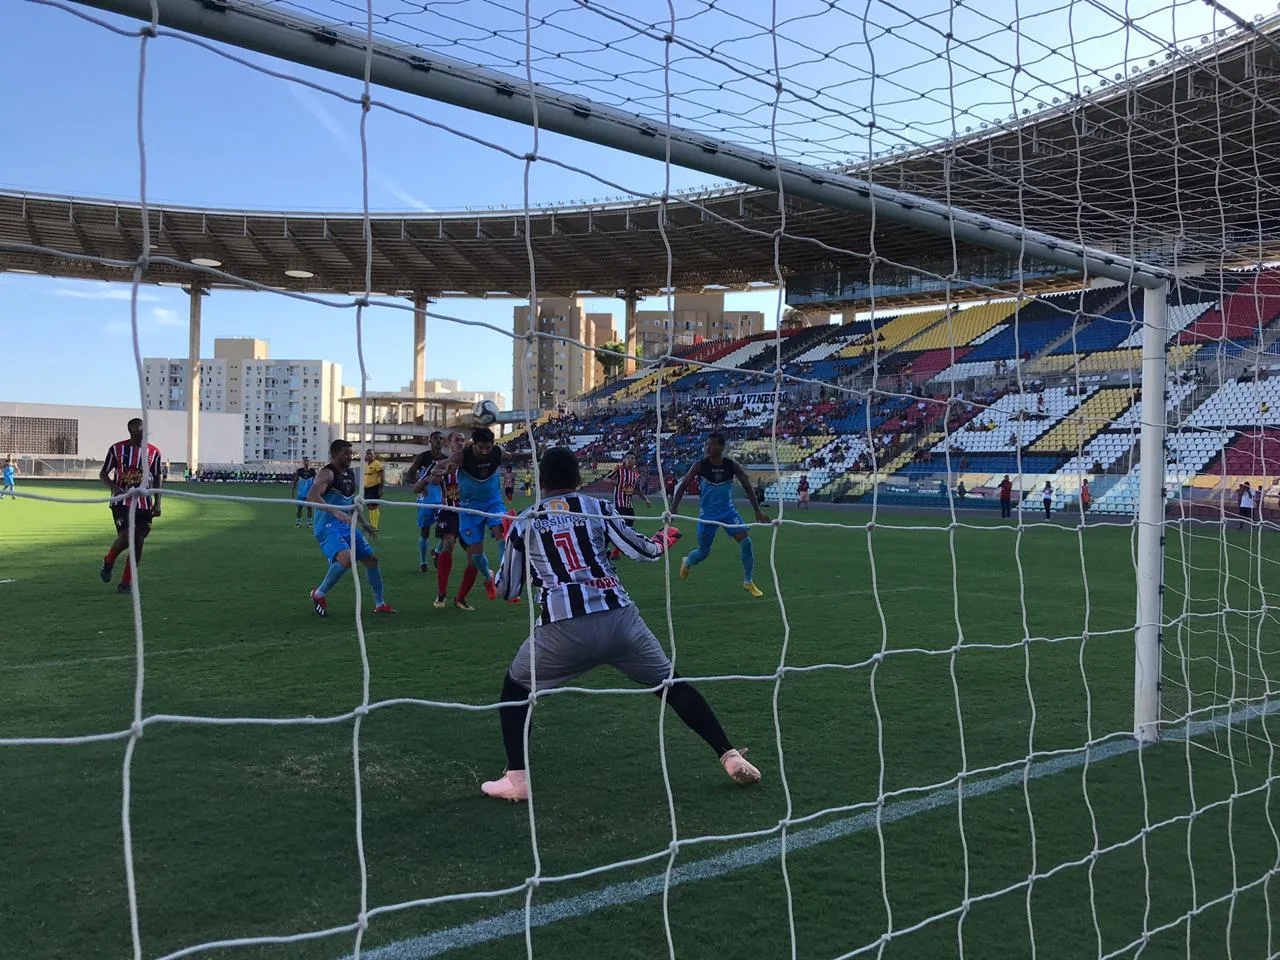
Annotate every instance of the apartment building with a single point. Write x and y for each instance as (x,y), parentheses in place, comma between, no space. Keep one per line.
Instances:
(546,372)
(290,408)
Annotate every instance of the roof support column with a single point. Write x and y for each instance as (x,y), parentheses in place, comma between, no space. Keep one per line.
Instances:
(192,396)
(631,298)
(419,384)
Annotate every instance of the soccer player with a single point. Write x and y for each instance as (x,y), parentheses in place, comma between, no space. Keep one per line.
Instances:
(715,474)
(7,475)
(585,617)
(373,481)
(1006,497)
(334,494)
(430,496)
(446,515)
(303,477)
(123,470)
(479,466)
(803,490)
(508,483)
(628,483)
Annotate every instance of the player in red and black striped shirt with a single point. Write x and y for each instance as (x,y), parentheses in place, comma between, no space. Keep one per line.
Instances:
(123,470)
(628,483)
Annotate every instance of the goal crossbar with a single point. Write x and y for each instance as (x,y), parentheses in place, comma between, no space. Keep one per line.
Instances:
(320,45)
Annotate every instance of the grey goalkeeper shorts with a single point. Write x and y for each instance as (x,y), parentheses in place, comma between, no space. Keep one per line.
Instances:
(569,648)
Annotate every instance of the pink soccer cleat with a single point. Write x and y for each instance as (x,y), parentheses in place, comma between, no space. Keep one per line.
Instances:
(737,767)
(514,786)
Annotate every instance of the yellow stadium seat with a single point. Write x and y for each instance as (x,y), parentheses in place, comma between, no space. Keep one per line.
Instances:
(1082,424)
(895,332)
(963,327)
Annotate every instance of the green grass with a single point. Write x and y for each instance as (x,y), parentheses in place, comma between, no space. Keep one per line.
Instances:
(242,830)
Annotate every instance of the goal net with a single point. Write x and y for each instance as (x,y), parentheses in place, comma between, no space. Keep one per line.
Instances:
(978,296)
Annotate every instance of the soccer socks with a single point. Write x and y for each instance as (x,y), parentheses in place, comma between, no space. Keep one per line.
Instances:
(375,584)
(468,578)
(336,570)
(690,707)
(748,560)
(423,546)
(706,537)
(444,567)
(375,513)
(512,718)
(481,563)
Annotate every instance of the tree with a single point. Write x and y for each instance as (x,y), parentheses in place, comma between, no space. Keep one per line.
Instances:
(612,357)
(791,317)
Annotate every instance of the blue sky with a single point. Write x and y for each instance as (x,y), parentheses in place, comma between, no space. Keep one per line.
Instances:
(223,135)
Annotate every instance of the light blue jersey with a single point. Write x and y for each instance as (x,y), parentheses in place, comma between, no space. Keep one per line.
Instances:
(9,474)
(715,498)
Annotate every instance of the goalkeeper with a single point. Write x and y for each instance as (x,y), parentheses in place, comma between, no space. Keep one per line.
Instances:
(585,617)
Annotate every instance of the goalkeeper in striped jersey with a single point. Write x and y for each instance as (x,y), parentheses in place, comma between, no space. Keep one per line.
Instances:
(585,618)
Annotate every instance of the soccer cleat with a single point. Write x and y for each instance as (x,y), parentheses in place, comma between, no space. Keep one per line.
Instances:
(514,786)
(308,524)
(462,604)
(384,607)
(440,603)
(752,589)
(737,767)
(422,568)
(684,569)
(124,588)
(490,589)
(104,571)
(321,605)
(297,523)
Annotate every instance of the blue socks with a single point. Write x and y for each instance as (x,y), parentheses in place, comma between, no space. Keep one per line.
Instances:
(748,560)
(336,570)
(423,546)
(481,563)
(375,584)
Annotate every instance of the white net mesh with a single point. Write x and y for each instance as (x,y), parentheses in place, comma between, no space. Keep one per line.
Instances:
(922,680)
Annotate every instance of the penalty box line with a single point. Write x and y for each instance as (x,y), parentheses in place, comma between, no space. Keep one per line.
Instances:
(512,922)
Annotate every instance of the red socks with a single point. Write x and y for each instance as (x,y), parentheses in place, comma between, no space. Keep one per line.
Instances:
(468,580)
(111,555)
(444,566)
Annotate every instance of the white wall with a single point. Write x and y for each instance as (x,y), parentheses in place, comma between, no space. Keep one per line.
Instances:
(221,434)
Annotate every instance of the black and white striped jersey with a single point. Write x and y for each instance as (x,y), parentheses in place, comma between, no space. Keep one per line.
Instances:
(567,540)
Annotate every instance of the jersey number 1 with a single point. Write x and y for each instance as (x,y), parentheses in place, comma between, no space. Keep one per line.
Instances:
(568,552)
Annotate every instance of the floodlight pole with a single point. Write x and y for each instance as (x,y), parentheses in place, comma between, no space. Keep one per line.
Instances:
(1150,566)
(422,73)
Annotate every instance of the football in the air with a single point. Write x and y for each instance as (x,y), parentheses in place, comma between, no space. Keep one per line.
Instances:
(486,412)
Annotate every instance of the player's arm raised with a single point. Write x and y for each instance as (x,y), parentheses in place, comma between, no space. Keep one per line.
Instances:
(683,485)
(751,494)
(628,540)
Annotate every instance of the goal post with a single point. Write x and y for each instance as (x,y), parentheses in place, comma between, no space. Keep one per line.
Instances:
(1150,558)
(318,45)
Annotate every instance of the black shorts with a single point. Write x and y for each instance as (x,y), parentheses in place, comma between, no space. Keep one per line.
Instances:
(509,492)
(447,523)
(141,520)
(628,513)
(373,493)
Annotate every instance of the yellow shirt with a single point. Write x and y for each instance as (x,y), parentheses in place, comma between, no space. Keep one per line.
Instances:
(373,473)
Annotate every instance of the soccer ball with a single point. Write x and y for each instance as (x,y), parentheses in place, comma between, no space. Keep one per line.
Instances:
(485,412)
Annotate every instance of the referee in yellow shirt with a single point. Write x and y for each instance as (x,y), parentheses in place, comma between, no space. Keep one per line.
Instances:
(373,482)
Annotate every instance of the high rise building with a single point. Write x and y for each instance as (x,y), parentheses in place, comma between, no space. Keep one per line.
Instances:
(694,317)
(290,407)
(550,372)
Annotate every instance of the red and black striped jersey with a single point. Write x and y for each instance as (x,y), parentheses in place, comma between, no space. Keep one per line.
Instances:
(125,465)
(626,483)
(452,493)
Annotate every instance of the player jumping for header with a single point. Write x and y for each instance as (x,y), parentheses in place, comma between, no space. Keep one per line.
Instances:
(479,466)
(585,617)
(716,473)
(334,494)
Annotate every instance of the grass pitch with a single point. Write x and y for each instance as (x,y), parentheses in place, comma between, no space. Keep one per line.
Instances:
(247,830)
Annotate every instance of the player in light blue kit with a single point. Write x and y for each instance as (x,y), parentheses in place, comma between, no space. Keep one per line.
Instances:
(334,494)
(715,473)
(7,474)
(479,467)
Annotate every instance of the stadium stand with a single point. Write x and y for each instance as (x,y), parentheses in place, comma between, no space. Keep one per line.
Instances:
(1244,311)
(890,334)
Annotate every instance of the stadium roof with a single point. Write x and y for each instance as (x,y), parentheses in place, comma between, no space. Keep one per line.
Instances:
(1178,165)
